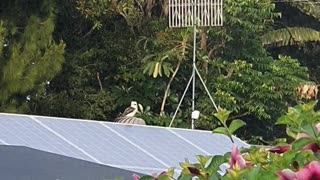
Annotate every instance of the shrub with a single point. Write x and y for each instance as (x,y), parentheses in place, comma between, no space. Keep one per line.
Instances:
(298,160)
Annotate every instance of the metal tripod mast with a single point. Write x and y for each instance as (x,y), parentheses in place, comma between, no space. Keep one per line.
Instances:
(194,13)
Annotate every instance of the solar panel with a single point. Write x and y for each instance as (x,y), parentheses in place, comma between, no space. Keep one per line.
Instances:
(100,143)
(160,142)
(143,149)
(22,130)
(214,144)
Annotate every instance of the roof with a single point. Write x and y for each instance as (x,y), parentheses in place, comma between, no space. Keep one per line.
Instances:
(144,149)
(23,163)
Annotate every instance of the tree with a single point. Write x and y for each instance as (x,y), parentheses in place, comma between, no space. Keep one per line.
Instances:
(97,66)
(29,56)
(297,34)
(105,65)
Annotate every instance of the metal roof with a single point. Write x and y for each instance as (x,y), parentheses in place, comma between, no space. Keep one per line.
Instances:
(24,163)
(144,149)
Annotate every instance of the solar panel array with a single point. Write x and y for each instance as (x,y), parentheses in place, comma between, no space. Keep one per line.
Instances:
(144,149)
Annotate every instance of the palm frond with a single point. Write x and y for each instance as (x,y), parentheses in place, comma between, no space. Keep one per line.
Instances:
(290,36)
(309,7)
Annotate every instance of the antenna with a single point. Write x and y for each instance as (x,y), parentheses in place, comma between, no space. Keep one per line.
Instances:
(195,13)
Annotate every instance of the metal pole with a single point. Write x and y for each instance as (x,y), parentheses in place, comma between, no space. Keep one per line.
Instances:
(193,13)
(194,59)
(184,93)
(205,87)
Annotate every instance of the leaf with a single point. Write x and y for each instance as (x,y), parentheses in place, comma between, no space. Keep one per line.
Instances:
(166,69)
(300,143)
(214,176)
(284,120)
(222,115)
(235,125)
(163,177)
(221,130)
(309,106)
(185,164)
(303,157)
(310,130)
(147,57)
(146,69)
(151,69)
(216,162)
(185,177)
(253,173)
(140,107)
(291,133)
(146,178)
(203,160)
(164,57)
(290,36)
(311,8)
(170,172)
(156,70)
(160,69)
(288,157)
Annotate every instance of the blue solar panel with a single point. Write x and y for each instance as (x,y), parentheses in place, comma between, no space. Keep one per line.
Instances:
(160,142)
(212,143)
(142,149)
(101,143)
(21,130)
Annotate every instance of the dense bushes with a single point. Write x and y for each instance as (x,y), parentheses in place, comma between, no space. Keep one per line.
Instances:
(298,160)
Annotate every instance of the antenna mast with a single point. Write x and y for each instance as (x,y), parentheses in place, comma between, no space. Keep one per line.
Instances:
(195,13)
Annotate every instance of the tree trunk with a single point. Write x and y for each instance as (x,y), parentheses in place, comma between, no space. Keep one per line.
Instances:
(168,87)
(203,45)
(204,39)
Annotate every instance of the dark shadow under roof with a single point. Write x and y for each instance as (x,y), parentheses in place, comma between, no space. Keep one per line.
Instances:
(23,163)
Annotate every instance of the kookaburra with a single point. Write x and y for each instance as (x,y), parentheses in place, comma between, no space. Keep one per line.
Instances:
(131,110)
(127,117)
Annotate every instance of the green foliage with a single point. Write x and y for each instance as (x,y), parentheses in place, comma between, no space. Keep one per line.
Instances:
(223,116)
(29,55)
(301,119)
(170,48)
(251,15)
(310,7)
(156,69)
(246,90)
(298,160)
(76,104)
(119,51)
(290,36)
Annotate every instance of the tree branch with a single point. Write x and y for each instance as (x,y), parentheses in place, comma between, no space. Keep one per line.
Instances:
(98,78)
(168,87)
(239,115)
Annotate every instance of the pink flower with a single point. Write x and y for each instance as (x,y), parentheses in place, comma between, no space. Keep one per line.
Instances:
(287,174)
(310,172)
(313,147)
(280,149)
(135,177)
(236,159)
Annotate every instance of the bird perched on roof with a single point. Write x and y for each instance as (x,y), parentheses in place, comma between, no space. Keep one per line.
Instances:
(131,110)
(127,116)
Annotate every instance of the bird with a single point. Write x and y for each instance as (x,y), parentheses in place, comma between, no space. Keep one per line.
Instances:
(131,110)
(127,117)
